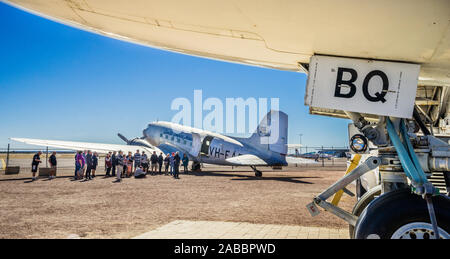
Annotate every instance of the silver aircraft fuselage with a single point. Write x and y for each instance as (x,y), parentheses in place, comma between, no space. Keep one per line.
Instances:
(206,146)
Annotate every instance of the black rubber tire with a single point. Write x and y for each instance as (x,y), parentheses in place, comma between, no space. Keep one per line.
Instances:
(362,204)
(258,174)
(392,210)
(196,167)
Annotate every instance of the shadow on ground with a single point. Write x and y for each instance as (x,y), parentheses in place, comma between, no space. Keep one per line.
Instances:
(229,174)
(292,179)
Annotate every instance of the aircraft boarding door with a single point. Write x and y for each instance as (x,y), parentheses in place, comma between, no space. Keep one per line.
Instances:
(196,145)
(205,145)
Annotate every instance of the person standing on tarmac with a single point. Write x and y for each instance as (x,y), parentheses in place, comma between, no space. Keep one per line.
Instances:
(119,167)
(172,164)
(80,163)
(94,164)
(85,165)
(185,163)
(52,161)
(144,162)
(76,166)
(166,164)
(129,159)
(177,166)
(89,165)
(154,163)
(137,160)
(108,164)
(35,164)
(114,164)
(160,161)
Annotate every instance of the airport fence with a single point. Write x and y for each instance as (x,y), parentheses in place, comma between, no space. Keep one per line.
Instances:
(312,156)
(22,157)
(323,156)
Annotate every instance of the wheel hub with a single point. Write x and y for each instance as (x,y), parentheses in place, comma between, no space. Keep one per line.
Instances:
(418,230)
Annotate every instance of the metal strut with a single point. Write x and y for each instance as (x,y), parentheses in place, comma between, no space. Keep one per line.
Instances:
(370,164)
(413,169)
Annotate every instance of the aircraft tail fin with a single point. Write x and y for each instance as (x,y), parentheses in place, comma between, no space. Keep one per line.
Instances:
(272,132)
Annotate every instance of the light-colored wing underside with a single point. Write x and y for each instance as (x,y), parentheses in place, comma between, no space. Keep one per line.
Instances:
(247,160)
(275,34)
(299,160)
(76,146)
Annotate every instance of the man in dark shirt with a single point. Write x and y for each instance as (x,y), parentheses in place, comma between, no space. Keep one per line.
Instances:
(52,161)
(89,165)
(35,164)
(114,163)
(154,162)
(177,166)
(160,161)
(94,164)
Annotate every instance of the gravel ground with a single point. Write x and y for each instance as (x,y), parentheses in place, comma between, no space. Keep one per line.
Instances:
(102,209)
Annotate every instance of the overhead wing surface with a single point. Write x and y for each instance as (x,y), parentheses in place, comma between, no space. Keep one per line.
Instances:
(95,147)
(276,34)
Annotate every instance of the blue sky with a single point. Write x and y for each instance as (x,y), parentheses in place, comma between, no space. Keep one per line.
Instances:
(57,82)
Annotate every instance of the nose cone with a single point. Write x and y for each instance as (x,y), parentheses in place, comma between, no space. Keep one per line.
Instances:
(151,135)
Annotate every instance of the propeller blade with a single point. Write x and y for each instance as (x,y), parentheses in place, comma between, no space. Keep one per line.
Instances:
(123,138)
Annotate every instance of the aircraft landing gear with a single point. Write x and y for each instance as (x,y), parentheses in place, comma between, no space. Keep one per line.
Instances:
(196,167)
(257,172)
(362,204)
(401,214)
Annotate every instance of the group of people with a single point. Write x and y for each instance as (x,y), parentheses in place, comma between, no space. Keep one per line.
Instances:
(37,160)
(119,165)
(85,165)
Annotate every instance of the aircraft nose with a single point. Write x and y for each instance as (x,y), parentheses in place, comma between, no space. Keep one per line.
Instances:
(149,136)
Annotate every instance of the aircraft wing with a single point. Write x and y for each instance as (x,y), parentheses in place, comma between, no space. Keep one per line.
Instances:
(247,160)
(276,34)
(299,160)
(94,147)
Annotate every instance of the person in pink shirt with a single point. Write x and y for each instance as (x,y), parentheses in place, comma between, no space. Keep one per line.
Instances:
(79,165)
